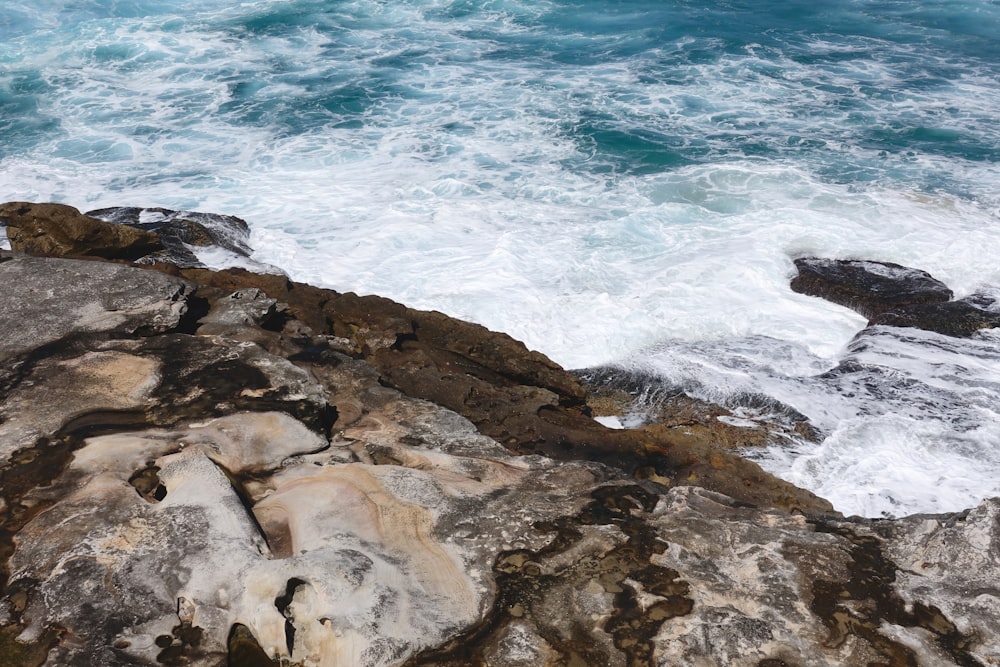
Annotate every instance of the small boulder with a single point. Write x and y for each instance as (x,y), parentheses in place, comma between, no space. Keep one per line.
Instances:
(57,230)
(867,287)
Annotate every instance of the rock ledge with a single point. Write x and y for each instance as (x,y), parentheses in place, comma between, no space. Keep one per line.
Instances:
(223,468)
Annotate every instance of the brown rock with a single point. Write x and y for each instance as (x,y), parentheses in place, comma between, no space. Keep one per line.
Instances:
(516,396)
(643,398)
(57,230)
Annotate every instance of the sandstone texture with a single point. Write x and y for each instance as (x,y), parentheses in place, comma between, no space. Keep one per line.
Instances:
(57,230)
(225,468)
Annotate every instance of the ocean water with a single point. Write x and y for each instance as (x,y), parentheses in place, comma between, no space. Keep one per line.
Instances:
(612,182)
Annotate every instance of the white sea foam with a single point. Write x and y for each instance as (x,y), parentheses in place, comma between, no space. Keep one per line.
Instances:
(610,421)
(910,419)
(216,257)
(890,465)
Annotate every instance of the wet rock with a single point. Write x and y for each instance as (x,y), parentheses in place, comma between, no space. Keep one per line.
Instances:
(57,230)
(179,230)
(894,295)
(519,398)
(868,287)
(637,398)
(387,332)
(954,318)
(985,298)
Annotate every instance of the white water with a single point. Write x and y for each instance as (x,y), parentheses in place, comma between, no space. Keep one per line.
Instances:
(911,421)
(466,188)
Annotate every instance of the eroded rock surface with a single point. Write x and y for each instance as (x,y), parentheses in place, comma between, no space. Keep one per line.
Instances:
(518,397)
(47,301)
(219,468)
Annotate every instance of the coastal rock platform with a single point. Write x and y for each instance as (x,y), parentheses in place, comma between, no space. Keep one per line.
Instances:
(227,468)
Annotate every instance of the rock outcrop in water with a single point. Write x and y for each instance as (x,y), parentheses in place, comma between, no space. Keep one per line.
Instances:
(894,295)
(219,467)
(147,235)
(181,230)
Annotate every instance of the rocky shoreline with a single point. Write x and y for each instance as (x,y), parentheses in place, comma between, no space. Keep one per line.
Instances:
(224,467)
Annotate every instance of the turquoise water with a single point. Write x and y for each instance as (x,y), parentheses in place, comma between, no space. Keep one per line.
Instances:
(860,92)
(611,182)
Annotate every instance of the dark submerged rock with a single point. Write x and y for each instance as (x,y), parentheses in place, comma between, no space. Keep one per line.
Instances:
(894,295)
(954,318)
(180,229)
(868,287)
